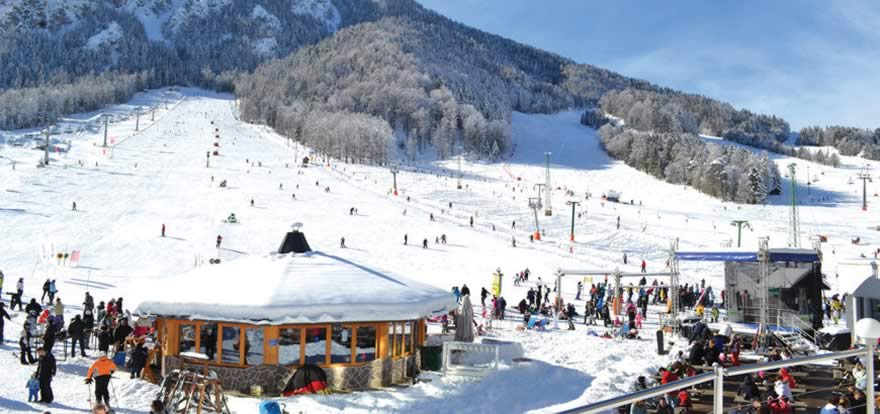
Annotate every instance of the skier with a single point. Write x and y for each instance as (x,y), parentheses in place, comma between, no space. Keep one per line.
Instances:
(624,258)
(163,229)
(52,290)
(3,314)
(76,331)
(58,308)
(102,370)
(16,297)
(342,242)
(73,208)
(219,240)
(45,371)
(513,225)
(252,202)
(405,239)
(431,216)
(24,345)
(644,266)
(443,238)
(425,243)
(513,240)
(472,221)
(45,290)
(483,294)
(580,287)
(618,222)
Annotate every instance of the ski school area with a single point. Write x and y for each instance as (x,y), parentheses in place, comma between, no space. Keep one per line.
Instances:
(192,262)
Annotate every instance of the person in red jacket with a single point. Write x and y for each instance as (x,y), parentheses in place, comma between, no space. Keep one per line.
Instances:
(667,376)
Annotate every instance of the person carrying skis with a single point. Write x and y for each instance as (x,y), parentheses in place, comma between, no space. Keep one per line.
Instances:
(77,332)
(45,371)
(102,370)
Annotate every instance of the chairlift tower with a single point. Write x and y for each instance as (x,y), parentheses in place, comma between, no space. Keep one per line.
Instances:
(865,177)
(739,228)
(106,128)
(459,171)
(548,209)
(394,170)
(793,216)
(46,150)
(535,205)
(137,119)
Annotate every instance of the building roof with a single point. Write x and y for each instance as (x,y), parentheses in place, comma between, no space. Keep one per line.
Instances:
(311,287)
(739,255)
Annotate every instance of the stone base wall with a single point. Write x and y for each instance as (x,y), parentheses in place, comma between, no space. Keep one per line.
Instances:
(273,378)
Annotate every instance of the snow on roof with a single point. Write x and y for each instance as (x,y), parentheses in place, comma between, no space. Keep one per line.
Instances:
(856,276)
(313,287)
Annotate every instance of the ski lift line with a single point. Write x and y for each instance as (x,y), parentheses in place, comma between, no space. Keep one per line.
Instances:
(574,272)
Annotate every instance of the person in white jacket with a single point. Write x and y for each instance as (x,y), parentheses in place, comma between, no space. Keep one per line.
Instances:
(782,388)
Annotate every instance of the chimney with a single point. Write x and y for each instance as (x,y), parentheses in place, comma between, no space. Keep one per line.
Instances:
(294,241)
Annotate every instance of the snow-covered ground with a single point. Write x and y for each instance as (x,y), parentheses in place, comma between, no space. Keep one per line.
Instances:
(158,176)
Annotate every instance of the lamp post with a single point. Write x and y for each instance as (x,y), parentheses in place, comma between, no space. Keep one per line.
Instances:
(573,204)
(869,330)
(394,170)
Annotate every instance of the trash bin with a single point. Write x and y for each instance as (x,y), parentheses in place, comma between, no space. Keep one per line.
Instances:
(432,358)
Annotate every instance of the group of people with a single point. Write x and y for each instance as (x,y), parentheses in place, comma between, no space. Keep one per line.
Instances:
(109,324)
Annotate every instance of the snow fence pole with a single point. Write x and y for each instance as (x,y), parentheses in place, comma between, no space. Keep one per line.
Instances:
(718,394)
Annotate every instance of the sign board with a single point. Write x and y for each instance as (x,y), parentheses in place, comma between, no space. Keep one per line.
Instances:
(496,284)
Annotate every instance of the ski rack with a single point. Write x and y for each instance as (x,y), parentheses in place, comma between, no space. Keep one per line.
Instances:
(186,391)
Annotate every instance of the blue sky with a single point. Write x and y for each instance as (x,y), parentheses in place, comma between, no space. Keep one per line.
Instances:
(811,62)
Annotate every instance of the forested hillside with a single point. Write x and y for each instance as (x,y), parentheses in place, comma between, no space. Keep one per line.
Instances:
(849,140)
(52,50)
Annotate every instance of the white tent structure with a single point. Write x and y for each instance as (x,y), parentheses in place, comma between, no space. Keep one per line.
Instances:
(858,278)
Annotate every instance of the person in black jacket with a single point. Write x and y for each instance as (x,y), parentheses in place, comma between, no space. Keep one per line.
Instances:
(45,372)
(697,354)
(105,338)
(3,314)
(49,337)
(77,332)
(89,325)
(33,307)
(748,389)
(138,360)
(465,291)
(121,333)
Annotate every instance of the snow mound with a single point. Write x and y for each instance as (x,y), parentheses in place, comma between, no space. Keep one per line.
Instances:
(105,38)
(323,10)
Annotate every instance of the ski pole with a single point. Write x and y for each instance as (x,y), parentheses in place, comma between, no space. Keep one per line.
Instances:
(113,388)
(89,384)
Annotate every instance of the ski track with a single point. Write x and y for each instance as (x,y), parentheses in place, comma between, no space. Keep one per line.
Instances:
(121,208)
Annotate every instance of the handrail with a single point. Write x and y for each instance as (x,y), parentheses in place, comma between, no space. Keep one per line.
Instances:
(643,394)
(768,366)
(622,400)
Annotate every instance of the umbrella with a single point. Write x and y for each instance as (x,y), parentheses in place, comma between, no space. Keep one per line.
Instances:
(464,328)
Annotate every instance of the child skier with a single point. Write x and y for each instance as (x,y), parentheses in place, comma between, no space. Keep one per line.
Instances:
(33,386)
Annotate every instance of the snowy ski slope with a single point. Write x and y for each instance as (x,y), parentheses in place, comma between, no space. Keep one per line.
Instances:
(158,176)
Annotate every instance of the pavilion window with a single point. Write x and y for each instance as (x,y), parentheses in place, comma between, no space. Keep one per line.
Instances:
(340,345)
(289,346)
(187,338)
(365,343)
(230,350)
(208,340)
(398,339)
(407,337)
(316,345)
(253,346)
(390,351)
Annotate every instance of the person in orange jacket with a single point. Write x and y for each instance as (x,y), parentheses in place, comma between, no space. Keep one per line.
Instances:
(102,370)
